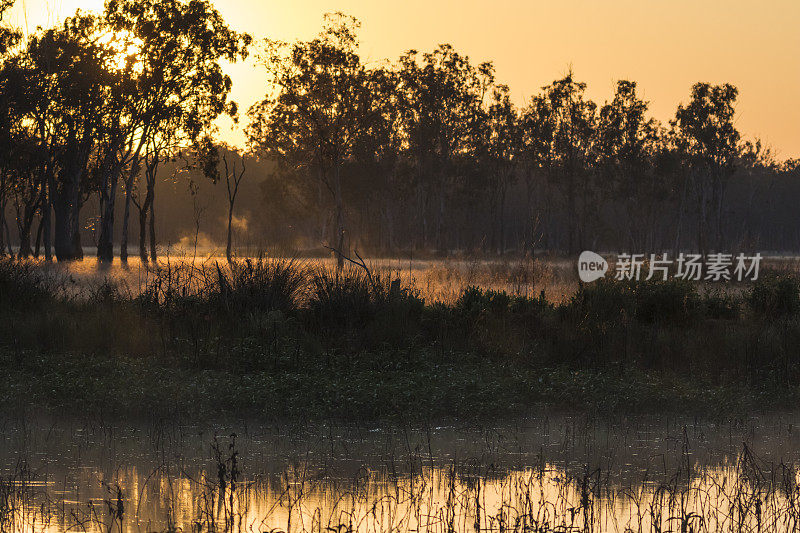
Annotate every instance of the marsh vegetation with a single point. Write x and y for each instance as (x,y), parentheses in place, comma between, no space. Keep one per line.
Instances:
(283,339)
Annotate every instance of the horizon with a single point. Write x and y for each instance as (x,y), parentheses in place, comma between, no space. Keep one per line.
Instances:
(744,46)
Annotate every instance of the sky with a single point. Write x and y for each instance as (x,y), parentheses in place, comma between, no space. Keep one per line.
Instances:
(664,45)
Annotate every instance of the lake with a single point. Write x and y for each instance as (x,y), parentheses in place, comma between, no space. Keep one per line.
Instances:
(549,473)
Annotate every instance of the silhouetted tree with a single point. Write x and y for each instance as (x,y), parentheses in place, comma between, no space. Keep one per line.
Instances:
(572,121)
(323,101)
(503,151)
(8,38)
(69,76)
(707,136)
(443,95)
(234,173)
(178,46)
(626,145)
(537,165)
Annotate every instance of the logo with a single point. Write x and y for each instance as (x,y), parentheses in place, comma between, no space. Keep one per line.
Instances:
(591,266)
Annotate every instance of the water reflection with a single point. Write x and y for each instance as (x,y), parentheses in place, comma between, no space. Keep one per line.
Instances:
(548,475)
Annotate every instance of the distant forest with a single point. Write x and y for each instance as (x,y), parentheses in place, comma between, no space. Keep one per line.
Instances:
(108,140)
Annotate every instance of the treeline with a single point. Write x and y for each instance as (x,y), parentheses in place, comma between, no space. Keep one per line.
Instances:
(426,153)
(431,153)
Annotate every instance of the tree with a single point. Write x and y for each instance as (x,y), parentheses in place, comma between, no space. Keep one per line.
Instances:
(181,89)
(442,97)
(233,178)
(502,154)
(626,146)
(378,167)
(571,123)
(69,75)
(536,134)
(707,136)
(8,38)
(322,102)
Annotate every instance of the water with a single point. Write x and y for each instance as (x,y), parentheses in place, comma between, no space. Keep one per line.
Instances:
(550,473)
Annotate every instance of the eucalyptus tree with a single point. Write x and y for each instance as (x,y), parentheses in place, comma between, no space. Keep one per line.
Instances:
(571,124)
(235,169)
(626,145)
(378,169)
(322,99)
(177,48)
(443,95)
(706,134)
(8,38)
(69,75)
(503,151)
(536,161)
(27,188)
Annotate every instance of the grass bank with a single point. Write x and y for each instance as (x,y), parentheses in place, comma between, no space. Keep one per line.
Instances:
(280,340)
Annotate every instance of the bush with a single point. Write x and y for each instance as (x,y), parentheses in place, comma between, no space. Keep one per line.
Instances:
(721,305)
(259,285)
(775,296)
(475,301)
(354,297)
(610,300)
(262,285)
(668,301)
(24,284)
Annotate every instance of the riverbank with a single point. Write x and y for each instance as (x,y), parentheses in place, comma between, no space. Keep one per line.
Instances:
(277,340)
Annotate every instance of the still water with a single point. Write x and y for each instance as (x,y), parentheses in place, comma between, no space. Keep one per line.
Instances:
(554,473)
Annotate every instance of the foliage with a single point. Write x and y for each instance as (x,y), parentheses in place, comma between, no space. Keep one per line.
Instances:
(775,296)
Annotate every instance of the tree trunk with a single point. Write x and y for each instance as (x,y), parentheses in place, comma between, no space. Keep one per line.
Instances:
(105,244)
(2,214)
(143,232)
(339,222)
(228,255)
(46,215)
(571,214)
(7,237)
(502,220)
(153,253)
(63,238)
(2,230)
(25,250)
(38,246)
(123,243)
(67,207)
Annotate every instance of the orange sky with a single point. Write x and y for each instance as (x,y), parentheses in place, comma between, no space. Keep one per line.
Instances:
(665,45)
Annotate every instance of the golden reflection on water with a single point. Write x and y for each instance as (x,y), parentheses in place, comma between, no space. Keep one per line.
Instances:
(544,474)
(436,499)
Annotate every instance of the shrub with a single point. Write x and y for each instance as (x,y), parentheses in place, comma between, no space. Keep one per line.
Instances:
(609,300)
(261,285)
(354,297)
(24,284)
(775,296)
(721,305)
(669,301)
(475,301)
